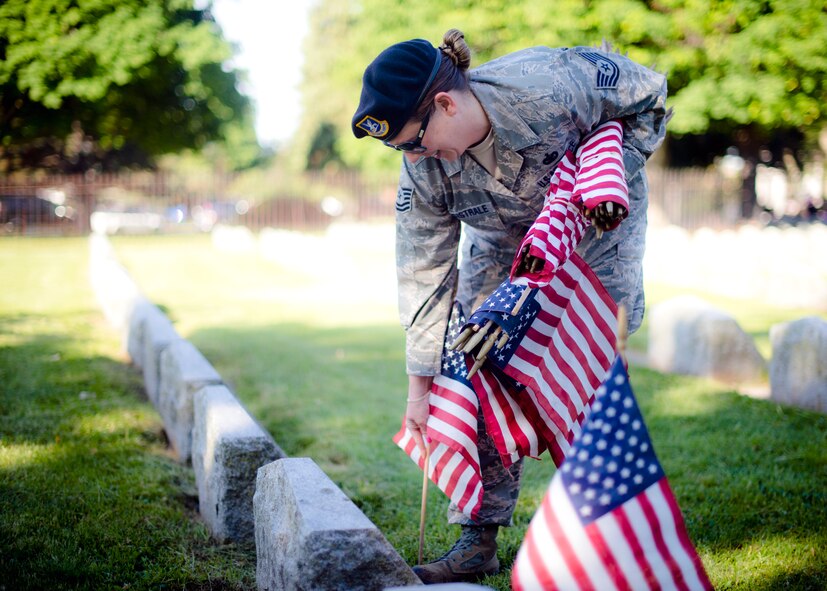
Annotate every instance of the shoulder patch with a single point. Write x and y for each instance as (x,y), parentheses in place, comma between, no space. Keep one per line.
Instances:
(403,199)
(608,72)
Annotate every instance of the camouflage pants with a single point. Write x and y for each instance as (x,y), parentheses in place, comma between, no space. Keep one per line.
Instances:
(616,258)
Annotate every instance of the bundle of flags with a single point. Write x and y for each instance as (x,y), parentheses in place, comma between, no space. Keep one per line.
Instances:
(609,519)
(534,393)
(594,174)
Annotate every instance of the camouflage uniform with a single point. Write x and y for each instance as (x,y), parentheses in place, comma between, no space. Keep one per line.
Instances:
(540,102)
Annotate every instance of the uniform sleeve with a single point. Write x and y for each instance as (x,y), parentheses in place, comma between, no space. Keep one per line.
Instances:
(611,86)
(427,239)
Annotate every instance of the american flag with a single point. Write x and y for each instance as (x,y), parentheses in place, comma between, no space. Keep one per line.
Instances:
(454,464)
(609,519)
(592,175)
(535,391)
(600,173)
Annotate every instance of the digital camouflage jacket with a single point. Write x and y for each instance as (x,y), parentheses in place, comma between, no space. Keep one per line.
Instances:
(541,102)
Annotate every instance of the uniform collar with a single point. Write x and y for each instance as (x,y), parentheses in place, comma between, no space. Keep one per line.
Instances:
(511,131)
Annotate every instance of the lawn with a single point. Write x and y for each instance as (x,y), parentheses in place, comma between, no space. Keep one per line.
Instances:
(317,357)
(90,497)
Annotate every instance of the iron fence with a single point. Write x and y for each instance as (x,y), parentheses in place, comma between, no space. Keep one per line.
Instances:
(165,202)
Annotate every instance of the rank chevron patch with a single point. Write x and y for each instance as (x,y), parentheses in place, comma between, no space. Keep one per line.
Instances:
(403,199)
(608,73)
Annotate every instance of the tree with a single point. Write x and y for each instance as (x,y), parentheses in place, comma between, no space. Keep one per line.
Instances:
(111,83)
(748,70)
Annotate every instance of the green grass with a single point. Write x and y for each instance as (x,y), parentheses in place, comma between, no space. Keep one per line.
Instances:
(89,496)
(324,373)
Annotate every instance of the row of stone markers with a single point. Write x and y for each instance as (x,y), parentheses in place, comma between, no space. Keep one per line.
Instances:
(308,533)
(688,335)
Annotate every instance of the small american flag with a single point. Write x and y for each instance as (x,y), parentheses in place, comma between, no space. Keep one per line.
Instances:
(454,464)
(609,519)
(536,389)
(592,175)
(600,173)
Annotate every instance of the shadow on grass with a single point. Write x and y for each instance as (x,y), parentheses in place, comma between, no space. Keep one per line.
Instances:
(89,495)
(744,471)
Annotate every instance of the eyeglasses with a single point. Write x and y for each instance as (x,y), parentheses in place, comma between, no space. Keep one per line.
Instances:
(413,146)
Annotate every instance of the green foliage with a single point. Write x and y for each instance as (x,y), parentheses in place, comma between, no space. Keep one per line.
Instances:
(730,63)
(114,82)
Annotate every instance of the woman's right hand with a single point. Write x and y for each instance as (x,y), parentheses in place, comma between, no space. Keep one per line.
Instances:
(416,414)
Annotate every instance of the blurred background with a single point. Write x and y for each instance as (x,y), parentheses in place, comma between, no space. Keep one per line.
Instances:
(174,116)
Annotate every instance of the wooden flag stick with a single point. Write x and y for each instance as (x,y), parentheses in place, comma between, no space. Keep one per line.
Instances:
(622,332)
(424,501)
(520,302)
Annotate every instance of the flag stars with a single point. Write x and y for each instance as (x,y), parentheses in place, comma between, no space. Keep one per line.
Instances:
(612,457)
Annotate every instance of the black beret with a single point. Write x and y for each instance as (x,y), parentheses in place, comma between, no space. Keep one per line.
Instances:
(393,86)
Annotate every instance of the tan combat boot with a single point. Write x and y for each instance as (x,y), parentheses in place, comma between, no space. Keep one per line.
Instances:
(473,556)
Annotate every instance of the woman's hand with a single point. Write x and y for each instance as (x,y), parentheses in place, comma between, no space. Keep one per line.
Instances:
(416,415)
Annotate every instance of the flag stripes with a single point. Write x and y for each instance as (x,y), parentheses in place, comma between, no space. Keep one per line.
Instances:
(601,173)
(609,520)
(454,464)
(561,360)
(594,174)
